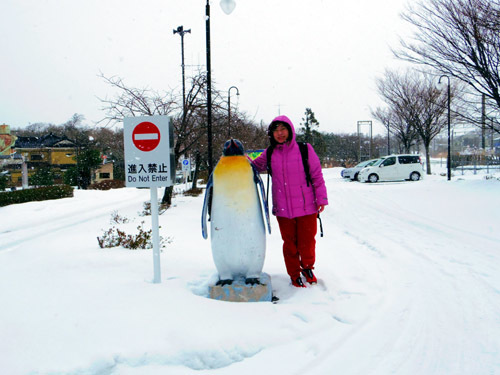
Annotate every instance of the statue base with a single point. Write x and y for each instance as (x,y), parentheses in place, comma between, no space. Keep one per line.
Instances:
(238,291)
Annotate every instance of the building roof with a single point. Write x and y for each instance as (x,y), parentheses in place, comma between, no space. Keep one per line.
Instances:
(11,157)
(49,140)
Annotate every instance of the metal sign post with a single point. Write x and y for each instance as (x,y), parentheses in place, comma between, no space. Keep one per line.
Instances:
(156,235)
(361,123)
(148,159)
(186,169)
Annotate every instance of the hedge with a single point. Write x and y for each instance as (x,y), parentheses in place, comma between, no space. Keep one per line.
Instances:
(35,194)
(107,184)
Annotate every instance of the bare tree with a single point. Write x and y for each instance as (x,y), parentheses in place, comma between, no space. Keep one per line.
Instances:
(395,90)
(472,108)
(415,107)
(430,119)
(32,130)
(73,129)
(402,130)
(133,102)
(459,38)
(190,122)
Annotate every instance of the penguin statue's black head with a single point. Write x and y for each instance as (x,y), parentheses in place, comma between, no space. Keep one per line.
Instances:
(233,147)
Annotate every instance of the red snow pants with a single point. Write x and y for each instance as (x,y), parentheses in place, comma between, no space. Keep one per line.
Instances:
(299,243)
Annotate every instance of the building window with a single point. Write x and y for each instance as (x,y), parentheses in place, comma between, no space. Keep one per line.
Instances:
(35,157)
(104,175)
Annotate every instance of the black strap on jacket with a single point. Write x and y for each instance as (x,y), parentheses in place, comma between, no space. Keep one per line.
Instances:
(304,152)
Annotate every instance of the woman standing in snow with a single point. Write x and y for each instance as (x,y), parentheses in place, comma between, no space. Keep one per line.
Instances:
(296,202)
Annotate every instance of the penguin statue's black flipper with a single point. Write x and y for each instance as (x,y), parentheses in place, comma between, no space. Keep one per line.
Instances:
(207,207)
(260,184)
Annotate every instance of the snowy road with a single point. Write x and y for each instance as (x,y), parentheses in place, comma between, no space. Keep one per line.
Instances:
(409,284)
(440,260)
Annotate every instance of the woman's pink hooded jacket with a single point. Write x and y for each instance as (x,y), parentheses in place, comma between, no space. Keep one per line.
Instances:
(291,195)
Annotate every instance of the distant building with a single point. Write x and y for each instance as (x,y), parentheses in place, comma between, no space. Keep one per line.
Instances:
(58,153)
(47,150)
(105,172)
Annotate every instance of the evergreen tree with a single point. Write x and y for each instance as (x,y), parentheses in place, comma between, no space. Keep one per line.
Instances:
(3,181)
(88,160)
(81,174)
(309,126)
(43,177)
(71,176)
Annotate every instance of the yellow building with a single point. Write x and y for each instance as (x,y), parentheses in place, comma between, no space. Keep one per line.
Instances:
(105,172)
(58,153)
(49,150)
(31,153)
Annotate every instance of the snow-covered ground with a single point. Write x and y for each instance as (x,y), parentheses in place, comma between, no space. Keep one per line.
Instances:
(409,284)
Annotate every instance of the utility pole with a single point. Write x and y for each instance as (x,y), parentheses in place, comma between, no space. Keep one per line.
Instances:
(483,121)
(180,30)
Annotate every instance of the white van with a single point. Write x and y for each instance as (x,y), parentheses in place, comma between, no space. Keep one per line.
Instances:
(394,168)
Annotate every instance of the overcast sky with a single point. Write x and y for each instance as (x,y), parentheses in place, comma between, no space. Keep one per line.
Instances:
(283,55)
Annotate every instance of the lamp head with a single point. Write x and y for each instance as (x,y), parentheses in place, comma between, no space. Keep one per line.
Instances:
(233,87)
(441,85)
(227,6)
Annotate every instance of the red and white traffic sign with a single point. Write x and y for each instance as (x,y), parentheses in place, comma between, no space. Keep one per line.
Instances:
(146,136)
(149,163)
(147,151)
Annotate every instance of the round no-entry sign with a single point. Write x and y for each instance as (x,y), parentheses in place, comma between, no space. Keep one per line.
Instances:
(146,136)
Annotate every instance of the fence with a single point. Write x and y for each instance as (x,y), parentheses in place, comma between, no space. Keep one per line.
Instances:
(475,163)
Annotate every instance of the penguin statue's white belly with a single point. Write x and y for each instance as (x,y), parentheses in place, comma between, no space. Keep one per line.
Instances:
(237,229)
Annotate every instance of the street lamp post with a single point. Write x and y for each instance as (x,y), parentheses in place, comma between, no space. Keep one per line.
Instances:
(388,139)
(227,6)
(229,108)
(180,30)
(209,89)
(448,162)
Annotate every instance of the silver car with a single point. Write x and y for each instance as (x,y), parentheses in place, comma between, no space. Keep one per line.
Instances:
(352,173)
(355,170)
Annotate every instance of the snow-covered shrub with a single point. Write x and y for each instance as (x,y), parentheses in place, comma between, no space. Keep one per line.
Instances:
(118,219)
(147,209)
(115,236)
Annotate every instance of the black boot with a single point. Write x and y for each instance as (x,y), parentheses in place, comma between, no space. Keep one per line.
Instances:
(298,283)
(309,275)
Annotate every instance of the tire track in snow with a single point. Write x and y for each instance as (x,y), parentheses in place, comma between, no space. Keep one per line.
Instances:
(34,228)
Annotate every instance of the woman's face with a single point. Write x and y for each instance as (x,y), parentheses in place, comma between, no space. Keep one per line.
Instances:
(280,134)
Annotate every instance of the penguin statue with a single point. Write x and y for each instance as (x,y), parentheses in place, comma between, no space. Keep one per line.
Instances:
(237,216)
